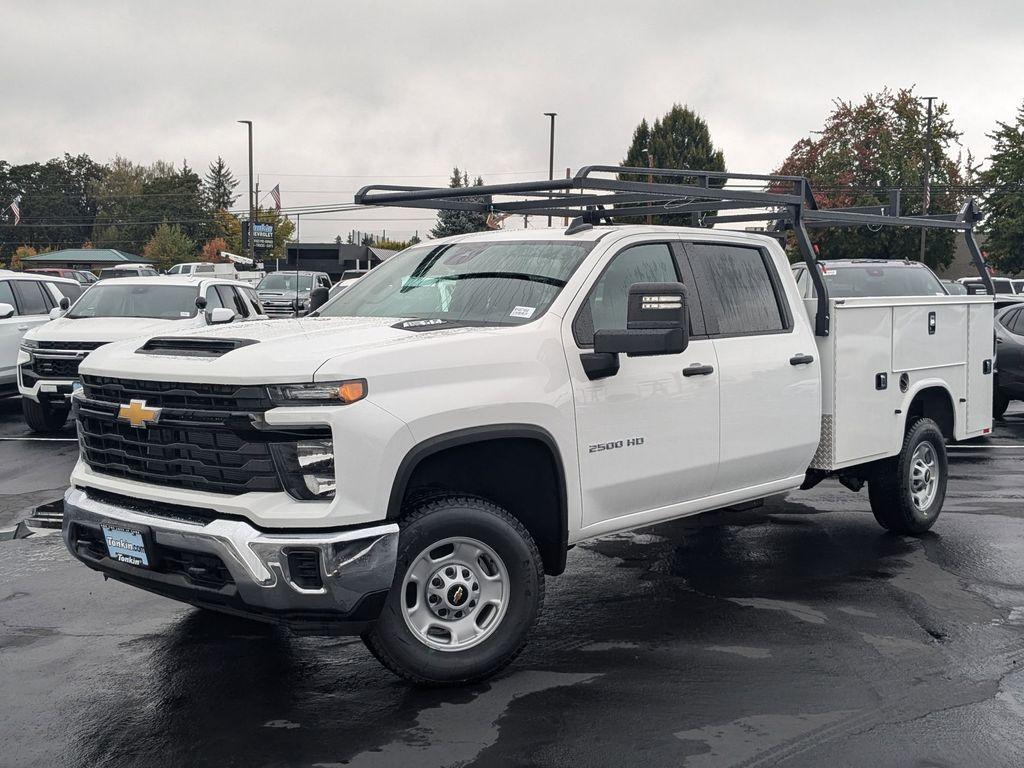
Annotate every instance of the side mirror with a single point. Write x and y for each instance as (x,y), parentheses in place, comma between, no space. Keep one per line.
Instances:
(6,310)
(64,304)
(656,323)
(200,303)
(317,298)
(55,313)
(220,315)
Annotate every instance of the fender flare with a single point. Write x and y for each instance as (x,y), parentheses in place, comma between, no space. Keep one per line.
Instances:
(481,434)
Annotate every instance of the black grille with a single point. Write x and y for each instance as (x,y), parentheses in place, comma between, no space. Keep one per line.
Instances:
(192,347)
(170,394)
(55,368)
(194,515)
(200,458)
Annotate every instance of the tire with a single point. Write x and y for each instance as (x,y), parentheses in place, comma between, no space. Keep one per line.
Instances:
(1000,402)
(907,491)
(41,417)
(492,635)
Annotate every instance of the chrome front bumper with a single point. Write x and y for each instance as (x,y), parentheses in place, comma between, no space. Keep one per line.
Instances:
(357,566)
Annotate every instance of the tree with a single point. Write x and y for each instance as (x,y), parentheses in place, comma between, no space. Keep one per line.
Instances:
(169,245)
(228,227)
(867,148)
(679,140)
(22,252)
(219,184)
(284,228)
(1004,196)
(212,248)
(461,222)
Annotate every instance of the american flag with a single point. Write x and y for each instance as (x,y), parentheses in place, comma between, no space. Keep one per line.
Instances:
(276,194)
(16,210)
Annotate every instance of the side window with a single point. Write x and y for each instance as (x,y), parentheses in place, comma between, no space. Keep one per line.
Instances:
(737,288)
(325,281)
(31,300)
(254,299)
(1017,323)
(227,297)
(205,268)
(213,300)
(241,308)
(605,307)
(68,290)
(7,295)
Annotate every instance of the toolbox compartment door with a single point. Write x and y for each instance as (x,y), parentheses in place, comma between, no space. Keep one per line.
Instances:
(928,336)
(981,343)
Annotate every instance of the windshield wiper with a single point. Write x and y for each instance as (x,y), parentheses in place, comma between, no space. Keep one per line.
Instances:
(421,281)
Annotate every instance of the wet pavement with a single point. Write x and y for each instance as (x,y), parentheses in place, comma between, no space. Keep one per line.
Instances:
(797,634)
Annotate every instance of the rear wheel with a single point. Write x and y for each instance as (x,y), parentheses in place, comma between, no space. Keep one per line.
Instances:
(1000,402)
(43,417)
(907,491)
(468,588)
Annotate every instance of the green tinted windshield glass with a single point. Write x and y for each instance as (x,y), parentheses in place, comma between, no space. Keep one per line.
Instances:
(169,302)
(493,283)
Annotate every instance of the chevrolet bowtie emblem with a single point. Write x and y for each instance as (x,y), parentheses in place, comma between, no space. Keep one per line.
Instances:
(138,415)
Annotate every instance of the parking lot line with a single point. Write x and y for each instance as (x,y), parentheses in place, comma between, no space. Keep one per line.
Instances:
(44,439)
(982,447)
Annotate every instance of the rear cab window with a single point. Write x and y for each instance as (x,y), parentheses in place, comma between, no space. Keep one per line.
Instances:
(739,289)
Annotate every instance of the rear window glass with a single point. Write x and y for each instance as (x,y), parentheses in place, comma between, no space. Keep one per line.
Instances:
(880,280)
(736,288)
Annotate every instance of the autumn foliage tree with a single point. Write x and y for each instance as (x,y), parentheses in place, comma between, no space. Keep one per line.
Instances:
(212,248)
(865,149)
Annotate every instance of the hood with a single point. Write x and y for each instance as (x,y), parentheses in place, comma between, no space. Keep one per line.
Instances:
(285,295)
(273,351)
(107,329)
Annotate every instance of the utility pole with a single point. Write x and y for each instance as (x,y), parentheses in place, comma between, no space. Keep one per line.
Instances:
(650,176)
(252,207)
(927,193)
(551,153)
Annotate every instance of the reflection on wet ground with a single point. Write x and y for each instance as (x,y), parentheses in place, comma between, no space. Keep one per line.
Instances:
(796,634)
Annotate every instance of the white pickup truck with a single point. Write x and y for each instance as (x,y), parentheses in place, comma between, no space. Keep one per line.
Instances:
(412,462)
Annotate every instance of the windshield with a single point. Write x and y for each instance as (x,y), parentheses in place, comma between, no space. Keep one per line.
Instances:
(167,302)
(282,281)
(495,283)
(177,269)
(880,280)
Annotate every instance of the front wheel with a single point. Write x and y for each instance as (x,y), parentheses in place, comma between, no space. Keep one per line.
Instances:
(42,417)
(907,491)
(468,588)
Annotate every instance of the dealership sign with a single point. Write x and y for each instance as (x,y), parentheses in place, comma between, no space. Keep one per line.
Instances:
(262,236)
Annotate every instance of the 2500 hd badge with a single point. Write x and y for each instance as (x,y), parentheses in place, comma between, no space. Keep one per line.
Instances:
(630,443)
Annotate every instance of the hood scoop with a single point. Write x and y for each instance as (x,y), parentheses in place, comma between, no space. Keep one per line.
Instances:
(185,346)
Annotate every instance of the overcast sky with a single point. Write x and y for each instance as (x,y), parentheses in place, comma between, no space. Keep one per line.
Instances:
(344,93)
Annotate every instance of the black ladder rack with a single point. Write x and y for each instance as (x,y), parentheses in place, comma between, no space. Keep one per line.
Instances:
(590,198)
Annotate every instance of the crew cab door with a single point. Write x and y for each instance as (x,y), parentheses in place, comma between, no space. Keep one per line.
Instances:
(647,436)
(32,302)
(767,359)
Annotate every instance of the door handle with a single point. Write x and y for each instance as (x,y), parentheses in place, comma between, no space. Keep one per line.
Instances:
(801,359)
(698,370)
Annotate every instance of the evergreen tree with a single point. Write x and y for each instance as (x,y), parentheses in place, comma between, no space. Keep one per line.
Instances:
(461,222)
(681,139)
(220,184)
(1004,198)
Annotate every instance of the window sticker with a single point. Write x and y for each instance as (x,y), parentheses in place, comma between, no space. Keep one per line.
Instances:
(526,312)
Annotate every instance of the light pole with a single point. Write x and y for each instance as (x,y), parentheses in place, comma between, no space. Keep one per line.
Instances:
(252,211)
(551,152)
(926,192)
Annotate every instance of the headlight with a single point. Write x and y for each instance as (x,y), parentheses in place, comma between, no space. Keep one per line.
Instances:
(27,345)
(307,468)
(320,393)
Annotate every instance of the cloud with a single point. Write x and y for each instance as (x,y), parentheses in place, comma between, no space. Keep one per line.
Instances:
(342,93)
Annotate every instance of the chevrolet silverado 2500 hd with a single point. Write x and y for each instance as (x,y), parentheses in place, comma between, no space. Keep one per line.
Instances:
(412,461)
(50,354)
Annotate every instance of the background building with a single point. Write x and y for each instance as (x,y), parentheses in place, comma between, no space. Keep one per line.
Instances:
(331,258)
(82,258)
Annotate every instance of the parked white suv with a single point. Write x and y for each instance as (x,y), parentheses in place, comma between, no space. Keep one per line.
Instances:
(113,310)
(409,463)
(26,300)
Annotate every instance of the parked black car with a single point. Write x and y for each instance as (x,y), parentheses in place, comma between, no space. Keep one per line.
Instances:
(1009,380)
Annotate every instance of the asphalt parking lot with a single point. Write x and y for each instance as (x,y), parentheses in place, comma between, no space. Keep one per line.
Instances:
(797,634)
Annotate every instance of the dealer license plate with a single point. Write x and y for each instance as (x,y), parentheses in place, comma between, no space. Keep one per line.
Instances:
(126,545)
